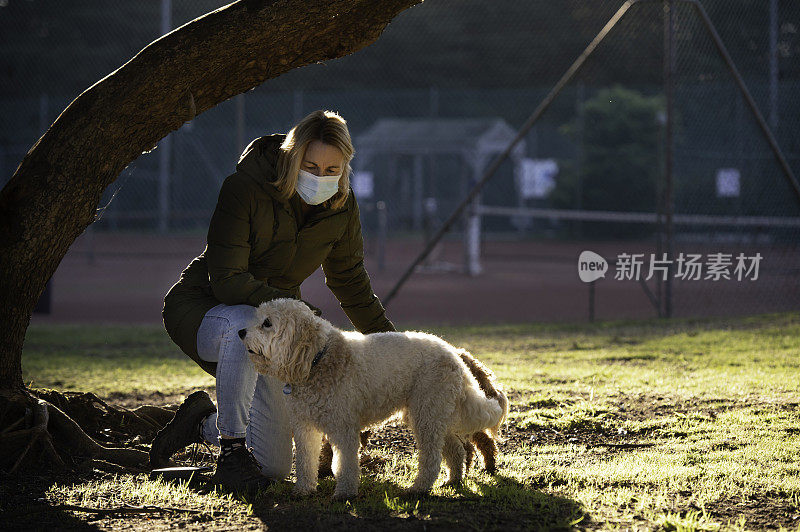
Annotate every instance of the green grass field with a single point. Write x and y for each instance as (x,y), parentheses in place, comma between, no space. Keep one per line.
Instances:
(668,425)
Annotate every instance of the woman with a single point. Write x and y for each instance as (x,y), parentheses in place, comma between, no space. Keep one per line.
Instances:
(286,210)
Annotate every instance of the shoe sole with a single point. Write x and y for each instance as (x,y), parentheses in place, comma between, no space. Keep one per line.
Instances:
(187,404)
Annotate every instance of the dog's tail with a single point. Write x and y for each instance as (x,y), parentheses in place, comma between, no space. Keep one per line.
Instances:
(494,402)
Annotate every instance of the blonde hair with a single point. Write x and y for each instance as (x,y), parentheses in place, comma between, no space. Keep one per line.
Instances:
(328,127)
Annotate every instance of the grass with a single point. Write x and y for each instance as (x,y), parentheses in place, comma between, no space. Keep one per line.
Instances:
(111,361)
(140,491)
(669,425)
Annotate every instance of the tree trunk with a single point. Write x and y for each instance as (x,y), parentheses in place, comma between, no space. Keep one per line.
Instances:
(53,195)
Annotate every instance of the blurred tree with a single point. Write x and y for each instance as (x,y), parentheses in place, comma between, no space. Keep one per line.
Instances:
(620,166)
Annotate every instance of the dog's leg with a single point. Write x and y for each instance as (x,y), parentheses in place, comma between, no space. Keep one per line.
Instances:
(430,463)
(488,448)
(429,432)
(454,459)
(430,414)
(346,468)
(469,453)
(307,442)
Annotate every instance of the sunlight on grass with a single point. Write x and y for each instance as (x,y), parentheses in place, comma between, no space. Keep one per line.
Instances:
(692,520)
(138,490)
(669,425)
(111,360)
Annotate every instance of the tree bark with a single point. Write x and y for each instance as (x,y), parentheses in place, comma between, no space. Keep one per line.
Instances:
(53,195)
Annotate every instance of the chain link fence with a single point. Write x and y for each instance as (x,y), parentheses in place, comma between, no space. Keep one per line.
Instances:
(442,93)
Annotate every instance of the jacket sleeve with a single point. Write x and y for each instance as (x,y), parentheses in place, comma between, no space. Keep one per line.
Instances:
(228,250)
(347,278)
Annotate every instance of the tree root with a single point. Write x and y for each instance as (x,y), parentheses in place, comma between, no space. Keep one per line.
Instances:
(84,445)
(103,420)
(35,431)
(93,464)
(126,509)
(129,509)
(156,415)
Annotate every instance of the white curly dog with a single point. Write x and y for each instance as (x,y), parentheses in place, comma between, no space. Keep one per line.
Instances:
(338,383)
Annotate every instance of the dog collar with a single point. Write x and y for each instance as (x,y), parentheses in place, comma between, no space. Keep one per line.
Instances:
(319,355)
(287,388)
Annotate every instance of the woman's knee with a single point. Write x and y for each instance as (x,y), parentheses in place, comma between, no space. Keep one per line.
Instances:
(238,316)
(217,337)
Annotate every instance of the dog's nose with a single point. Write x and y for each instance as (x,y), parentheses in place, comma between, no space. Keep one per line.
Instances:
(242,333)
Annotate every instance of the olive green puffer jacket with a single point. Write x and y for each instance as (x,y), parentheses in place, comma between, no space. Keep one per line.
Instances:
(259,248)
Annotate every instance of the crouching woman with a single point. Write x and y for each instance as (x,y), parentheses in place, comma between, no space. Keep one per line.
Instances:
(287,209)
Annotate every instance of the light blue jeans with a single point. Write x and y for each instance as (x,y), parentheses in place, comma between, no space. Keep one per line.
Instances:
(249,405)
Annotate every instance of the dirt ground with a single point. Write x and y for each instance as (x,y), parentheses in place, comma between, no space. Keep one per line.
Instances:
(762,513)
(122,278)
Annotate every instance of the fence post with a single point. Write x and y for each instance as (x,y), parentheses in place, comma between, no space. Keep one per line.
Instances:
(417,194)
(473,239)
(430,208)
(380,206)
(669,89)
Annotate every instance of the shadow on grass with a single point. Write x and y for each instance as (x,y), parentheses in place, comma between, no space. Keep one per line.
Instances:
(506,503)
(502,503)
(23,505)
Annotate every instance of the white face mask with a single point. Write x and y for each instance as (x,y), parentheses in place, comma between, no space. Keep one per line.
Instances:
(316,189)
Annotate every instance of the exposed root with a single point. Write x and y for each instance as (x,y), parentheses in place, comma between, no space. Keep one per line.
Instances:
(50,451)
(77,439)
(12,426)
(93,464)
(36,431)
(102,420)
(156,415)
(125,509)
(130,509)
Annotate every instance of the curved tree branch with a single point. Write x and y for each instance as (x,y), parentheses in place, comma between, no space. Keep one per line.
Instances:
(53,195)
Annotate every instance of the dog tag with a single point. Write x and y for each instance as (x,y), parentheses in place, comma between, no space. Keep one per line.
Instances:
(287,389)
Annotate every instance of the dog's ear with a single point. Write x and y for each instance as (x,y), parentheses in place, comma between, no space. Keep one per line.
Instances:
(303,339)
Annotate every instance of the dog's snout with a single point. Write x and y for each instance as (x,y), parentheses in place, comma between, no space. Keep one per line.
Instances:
(242,333)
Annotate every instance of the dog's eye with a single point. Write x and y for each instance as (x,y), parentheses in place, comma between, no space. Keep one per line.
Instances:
(251,351)
(266,323)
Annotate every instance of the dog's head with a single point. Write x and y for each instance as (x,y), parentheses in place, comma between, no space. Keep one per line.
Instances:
(284,340)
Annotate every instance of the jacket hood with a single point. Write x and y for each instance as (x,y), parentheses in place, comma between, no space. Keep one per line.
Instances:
(259,161)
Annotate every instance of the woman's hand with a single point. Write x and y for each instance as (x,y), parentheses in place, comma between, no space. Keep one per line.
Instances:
(314,309)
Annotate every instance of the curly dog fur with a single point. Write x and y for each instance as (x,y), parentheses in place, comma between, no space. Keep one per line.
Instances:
(362,380)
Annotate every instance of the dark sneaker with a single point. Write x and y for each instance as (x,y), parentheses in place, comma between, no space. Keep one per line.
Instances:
(182,430)
(240,472)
